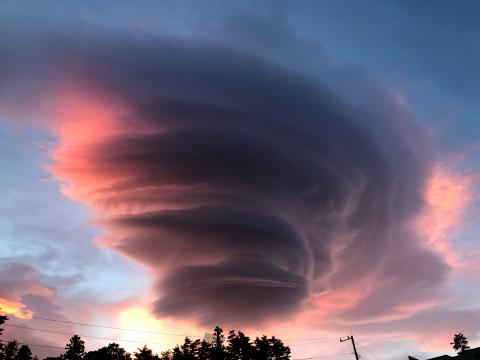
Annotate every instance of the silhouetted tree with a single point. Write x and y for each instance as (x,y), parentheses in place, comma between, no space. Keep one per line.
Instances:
(54,358)
(204,350)
(10,350)
(460,343)
(24,353)
(111,352)
(270,348)
(116,352)
(280,351)
(3,318)
(186,350)
(195,347)
(166,355)
(177,353)
(190,348)
(239,346)
(93,355)
(145,354)
(217,351)
(75,349)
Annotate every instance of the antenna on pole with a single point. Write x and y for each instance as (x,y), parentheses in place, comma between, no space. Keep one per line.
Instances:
(357,357)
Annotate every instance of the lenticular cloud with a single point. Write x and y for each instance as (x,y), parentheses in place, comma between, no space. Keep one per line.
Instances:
(246,188)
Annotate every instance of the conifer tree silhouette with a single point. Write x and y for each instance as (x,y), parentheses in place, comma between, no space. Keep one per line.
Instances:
(145,353)
(24,353)
(75,349)
(10,350)
(239,346)
(3,318)
(112,351)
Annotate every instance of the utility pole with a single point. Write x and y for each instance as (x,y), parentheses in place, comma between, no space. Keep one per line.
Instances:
(357,357)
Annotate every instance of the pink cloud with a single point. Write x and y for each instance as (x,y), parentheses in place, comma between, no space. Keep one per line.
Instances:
(448,195)
(235,205)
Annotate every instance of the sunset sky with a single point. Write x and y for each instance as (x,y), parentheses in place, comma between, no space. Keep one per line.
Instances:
(304,169)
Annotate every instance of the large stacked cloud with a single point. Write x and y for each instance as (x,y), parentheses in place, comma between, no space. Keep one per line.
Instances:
(248,190)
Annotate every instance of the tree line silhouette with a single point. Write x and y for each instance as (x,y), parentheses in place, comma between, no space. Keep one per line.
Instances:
(235,346)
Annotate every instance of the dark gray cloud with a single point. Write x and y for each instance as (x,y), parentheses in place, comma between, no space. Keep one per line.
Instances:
(250,180)
(256,289)
(23,280)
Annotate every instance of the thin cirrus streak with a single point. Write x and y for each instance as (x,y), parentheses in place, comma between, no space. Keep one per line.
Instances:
(248,190)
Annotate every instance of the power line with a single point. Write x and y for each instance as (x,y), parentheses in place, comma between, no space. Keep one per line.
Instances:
(312,339)
(111,327)
(315,340)
(313,343)
(62,348)
(135,341)
(362,356)
(350,338)
(322,356)
(322,340)
(370,352)
(39,345)
(81,335)
(148,331)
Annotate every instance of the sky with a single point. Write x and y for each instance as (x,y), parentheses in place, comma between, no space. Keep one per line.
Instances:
(304,169)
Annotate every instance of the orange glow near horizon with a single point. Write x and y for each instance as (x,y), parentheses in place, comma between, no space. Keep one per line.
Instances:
(159,335)
(138,318)
(16,309)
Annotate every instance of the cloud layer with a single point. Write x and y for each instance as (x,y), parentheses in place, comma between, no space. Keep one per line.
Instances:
(249,191)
